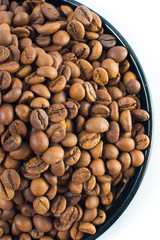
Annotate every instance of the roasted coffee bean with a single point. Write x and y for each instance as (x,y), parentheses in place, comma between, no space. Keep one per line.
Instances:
(39,142)
(84,160)
(4,54)
(125,144)
(6,114)
(100,76)
(126,120)
(88,140)
(76,30)
(142,141)
(11,179)
(126,103)
(118,53)
(5,80)
(18,127)
(41,205)
(97,125)
(34,166)
(81,50)
(49,11)
(39,119)
(41,90)
(36,190)
(97,167)
(72,156)
(56,132)
(58,205)
(57,85)
(72,109)
(23,112)
(42,223)
(53,154)
(58,168)
(87,228)
(140,115)
(90,92)
(81,175)
(23,223)
(57,112)
(107,40)
(12,143)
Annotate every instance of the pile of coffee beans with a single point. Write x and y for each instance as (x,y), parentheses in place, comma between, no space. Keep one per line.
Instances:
(71,122)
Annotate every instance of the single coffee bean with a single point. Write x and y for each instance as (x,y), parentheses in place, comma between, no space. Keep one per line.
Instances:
(42,223)
(18,127)
(69,215)
(81,50)
(41,90)
(84,15)
(125,144)
(57,113)
(5,80)
(137,128)
(96,23)
(142,141)
(72,109)
(124,66)
(81,175)
(76,30)
(36,190)
(88,140)
(58,168)
(111,67)
(87,228)
(39,119)
(41,205)
(4,54)
(48,28)
(49,11)
(86,69)
(56,132)
(103,97)
(39,142)
(97,167)
(5,36)
(58,84)
(97,124)
(100,76)
(125,160)
(11,179)
(12,143)
(126,120)
(118,53)
(5,193)
(84,160)
(107,40)
(90,92)
(23,223)
(6,114)
(140,115)
(23,112)
(75,233)
(77,92)
(53,155)
(126,103)
(137,158)
(72,156)
(70,140)
(133,86)
(58,205)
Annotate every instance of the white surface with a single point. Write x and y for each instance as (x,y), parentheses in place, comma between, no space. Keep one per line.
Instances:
(139,23)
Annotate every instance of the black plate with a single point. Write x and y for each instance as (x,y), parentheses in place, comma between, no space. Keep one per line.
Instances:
(119,206)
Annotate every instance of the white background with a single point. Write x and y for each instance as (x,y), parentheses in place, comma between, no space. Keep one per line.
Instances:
(139,23)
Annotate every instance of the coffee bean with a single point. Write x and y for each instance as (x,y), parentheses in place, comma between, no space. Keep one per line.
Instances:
(107,40)
(76,30)
(11,179)
(81,175)
(56,132)
(6,114)
(88,140)
(126,120)
(125,144)
(34,166)
(57,85)
(90,92)
(41,205)
(39,119)
(86,69)
(42,223)
(57,113)
(81,50)
(126,103)
(53,155)
(49,11)
(41,90)
(72,156)
(87,228)
(137,158)
(140,115)
(58,205)
(118,53)
(96,23)
(97,124)
(142,141)
(100,76)
(23,223)
(39,142)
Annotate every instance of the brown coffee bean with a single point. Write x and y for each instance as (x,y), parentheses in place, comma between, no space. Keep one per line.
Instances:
(99,110)
(57,112)
(126,120)
(114,113)
(100,219)
(58,168)
(100,76)
(57,85)
(87,228)
(12,143)
(96,152)
(28,56)
(86,69)
(39,102)
(137,128)
(23,112)
(5,80)
(117,53)
(58,205)
(69,215)
(53,155)
(72,156)
(39,119)
(111,67)
(97,167)
(137,158)
(103,97)
(81,175)
(70,140)
(23,223)
(113,167)
(142,141)
(81,50)
(124,66)
(34,166)
(112,135)
(76,30)
(18,127)
(60,227)
(84,159)
(4,54)
(39,142)
(75,187)
(92,202)
(49,11)
(126,103)
(36,190)
(125,160)
(90,92)
(41,90)
(5,193)
(56,133)
(5,36)
(88,140)
(75,233)
(6,114)
(61,37)
(84,15)
(42,223)
(41,205)
(66,71)
(140,115)
(77,92)
(96,23)
(11,179)
(133,86)
(97,125)
(47,71)
(107,40)
(125,144)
